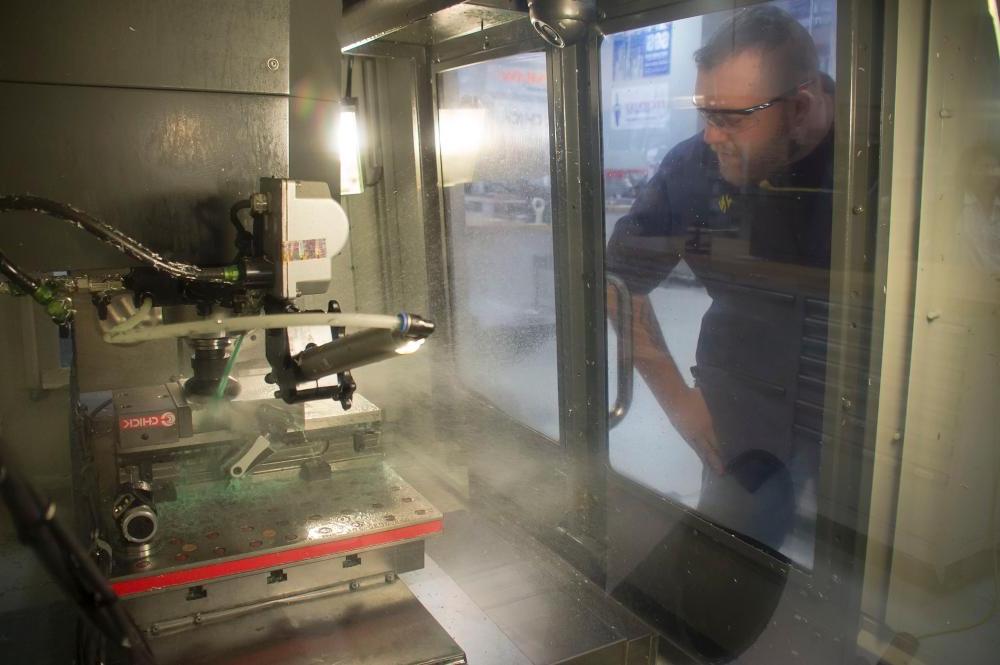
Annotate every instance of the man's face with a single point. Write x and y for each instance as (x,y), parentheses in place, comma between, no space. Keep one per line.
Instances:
(751,153)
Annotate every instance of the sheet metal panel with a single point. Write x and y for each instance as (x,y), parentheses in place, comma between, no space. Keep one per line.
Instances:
(382,625)
(367,20)
(163,166)
(191,44)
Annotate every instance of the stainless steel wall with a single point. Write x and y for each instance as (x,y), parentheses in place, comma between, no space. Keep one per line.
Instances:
(154,115)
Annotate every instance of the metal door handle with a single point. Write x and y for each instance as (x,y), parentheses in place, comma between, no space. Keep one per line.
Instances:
(626,361)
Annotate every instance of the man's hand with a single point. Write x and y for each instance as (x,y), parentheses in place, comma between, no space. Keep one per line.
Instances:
(683,405)
(689,415)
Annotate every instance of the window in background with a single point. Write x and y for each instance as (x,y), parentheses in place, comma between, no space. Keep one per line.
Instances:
(494,138)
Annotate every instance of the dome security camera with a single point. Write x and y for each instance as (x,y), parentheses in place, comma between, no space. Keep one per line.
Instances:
(562,23)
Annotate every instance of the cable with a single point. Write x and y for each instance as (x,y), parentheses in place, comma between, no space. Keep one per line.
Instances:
(18,277)
(69,564)
(117,239)
(244,239)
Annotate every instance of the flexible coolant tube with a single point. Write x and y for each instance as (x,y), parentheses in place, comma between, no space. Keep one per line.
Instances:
(137,317)
(117,239)
(239,324)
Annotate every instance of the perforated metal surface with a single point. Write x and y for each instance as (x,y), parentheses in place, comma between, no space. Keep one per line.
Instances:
(216,522)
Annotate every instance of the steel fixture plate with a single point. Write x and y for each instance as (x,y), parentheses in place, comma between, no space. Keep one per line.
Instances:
(214,530)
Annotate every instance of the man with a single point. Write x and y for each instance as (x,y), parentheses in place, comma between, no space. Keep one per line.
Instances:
(747,205)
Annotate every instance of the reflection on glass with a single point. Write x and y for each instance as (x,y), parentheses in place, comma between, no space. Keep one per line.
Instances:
(462,134)
(719,181)
(722,231)
(719,143)
(494,139)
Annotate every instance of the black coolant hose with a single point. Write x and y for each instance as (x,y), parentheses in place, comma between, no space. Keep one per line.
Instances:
(117,239)
(17,277)
(58,306)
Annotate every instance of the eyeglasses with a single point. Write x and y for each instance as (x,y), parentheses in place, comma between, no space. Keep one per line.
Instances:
(738,120)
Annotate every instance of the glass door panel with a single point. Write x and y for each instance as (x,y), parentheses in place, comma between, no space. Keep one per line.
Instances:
(718,176)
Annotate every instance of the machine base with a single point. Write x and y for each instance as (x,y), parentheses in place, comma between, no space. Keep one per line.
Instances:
(383,624)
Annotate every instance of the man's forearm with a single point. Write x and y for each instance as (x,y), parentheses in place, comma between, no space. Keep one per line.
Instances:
(652,356)
(684,406)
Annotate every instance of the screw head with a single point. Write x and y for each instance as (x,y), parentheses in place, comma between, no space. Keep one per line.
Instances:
(258,203)
(857,210)
(355,585)
(273,64)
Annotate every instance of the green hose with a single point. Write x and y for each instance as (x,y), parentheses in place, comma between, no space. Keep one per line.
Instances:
(224,381)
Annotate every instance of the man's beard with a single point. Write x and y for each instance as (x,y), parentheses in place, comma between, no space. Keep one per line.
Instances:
(739,170)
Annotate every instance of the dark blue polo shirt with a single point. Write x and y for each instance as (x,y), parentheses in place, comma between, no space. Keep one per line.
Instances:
(762,253)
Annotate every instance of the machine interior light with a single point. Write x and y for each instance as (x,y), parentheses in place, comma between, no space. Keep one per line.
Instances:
(349,148)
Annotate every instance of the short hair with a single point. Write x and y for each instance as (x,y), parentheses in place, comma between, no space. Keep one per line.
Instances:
(770,30)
